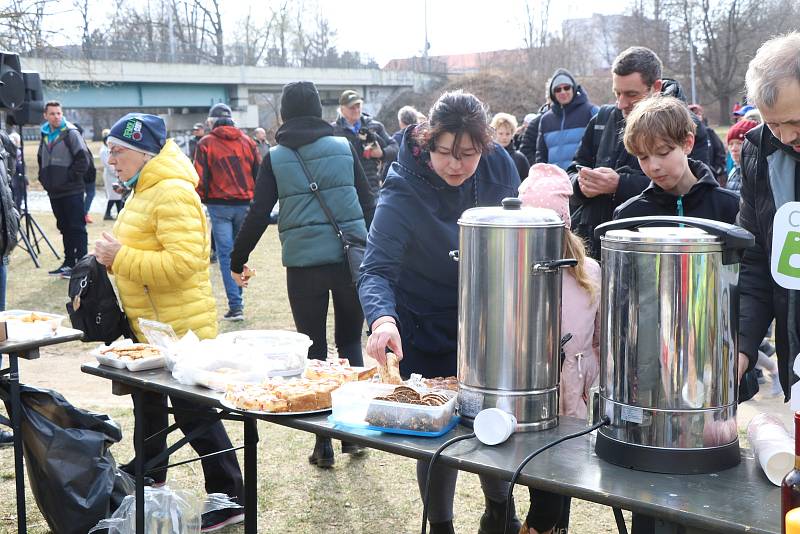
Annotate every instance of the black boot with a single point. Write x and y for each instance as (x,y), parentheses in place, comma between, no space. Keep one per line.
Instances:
(445,527)
(493,520)
(353,448)
(323,453)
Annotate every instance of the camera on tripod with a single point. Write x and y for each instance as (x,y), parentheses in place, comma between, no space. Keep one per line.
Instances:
(22,98)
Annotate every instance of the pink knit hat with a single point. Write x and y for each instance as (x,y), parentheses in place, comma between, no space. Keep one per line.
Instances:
(547,186)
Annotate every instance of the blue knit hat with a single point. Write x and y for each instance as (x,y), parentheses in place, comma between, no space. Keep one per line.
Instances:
(140,132)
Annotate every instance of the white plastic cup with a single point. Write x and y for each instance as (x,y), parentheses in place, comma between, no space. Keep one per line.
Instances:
(776,459)
(493,426)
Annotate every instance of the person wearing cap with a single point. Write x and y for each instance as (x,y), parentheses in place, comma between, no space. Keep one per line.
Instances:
(64,162)
(198,131)
(113,195)
(158,252)
(260,137)
(375,148)
(735,139)
(227,163)
(770,170)
(561,127)
(310,249)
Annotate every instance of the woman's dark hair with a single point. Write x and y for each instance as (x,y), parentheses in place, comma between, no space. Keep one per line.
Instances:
(458,113)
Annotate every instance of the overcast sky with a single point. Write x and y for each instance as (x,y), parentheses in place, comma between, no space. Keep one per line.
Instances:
(396,28)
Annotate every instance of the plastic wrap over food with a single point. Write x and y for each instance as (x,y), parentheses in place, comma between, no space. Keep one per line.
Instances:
(166,511)
(772,445)
(248,356)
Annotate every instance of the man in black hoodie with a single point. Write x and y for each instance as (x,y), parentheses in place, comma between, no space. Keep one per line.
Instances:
(604,174)
(367,136)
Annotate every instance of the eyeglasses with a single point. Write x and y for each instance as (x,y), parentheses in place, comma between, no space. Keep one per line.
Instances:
(562,88)
(117,151)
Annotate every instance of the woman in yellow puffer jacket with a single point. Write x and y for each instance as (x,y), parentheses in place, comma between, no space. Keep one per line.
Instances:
(159,254)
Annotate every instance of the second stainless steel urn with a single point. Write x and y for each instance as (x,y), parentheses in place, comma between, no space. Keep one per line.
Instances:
(509,312)
(668,350)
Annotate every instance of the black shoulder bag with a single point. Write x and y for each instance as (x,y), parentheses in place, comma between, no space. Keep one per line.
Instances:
(353,252)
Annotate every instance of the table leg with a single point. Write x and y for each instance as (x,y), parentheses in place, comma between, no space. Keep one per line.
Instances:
(250,476)
(16,417)
(138,459)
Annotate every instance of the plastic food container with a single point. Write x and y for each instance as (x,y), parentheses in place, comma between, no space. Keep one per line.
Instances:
(24,325)
(354,405)
(279,352)
(141,364)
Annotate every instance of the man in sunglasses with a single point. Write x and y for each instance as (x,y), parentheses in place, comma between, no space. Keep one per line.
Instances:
(561,127)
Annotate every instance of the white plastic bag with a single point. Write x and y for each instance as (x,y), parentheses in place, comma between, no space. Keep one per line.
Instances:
(166,511)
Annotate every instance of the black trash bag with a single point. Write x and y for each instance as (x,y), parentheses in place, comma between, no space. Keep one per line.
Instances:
(72,474)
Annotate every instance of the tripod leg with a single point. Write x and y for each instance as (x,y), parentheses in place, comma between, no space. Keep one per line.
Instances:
(42,235)
(26,244)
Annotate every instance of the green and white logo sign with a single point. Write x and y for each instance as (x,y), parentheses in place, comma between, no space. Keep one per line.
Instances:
(785,261)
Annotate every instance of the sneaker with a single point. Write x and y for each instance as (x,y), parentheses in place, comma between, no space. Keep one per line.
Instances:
(108,217)
(211,521)
(66,273)
(777,389)
(353,448)
(88,219)
(234,315)
(60,270)
(6,439)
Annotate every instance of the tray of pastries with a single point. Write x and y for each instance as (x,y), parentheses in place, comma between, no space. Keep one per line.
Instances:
(23,325)
(131,356)
(276,396)
(337,369)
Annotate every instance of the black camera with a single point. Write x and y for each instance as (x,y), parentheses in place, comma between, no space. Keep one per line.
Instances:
(367,136)
(21,91)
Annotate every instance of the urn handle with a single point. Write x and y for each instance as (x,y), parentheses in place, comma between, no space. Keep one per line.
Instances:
(552,266)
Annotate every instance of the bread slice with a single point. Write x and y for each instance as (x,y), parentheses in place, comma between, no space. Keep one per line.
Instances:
(390,370)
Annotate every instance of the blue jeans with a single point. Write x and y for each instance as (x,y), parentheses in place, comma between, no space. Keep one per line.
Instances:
(225,224)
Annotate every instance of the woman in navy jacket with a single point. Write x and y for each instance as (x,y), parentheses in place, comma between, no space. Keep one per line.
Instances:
(409,285)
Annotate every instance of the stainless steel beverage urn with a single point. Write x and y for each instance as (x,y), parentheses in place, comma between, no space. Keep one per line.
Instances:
(668,352)
(509,312)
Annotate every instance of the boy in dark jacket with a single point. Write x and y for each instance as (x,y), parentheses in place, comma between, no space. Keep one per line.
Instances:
(660,133)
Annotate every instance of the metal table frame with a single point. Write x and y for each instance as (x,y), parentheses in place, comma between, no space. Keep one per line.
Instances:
(739,499)
(26,350)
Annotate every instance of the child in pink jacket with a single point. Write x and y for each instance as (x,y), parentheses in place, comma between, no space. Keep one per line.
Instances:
(548,186)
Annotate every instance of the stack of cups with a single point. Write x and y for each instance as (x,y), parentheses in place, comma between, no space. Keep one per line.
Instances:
(493,426)
(772,445)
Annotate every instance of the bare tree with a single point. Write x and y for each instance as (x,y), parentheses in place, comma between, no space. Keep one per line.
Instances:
(253,36)
(211,25)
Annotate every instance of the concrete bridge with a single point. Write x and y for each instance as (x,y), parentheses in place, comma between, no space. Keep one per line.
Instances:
(184,92)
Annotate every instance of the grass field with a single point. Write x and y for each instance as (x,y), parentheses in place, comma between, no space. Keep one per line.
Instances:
(376,493)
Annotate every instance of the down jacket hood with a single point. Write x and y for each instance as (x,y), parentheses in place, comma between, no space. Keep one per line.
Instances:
(170,163)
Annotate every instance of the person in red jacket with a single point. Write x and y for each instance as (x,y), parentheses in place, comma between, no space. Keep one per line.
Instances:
(227,162)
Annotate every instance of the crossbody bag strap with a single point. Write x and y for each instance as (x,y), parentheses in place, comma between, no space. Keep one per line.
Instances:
(314,187)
